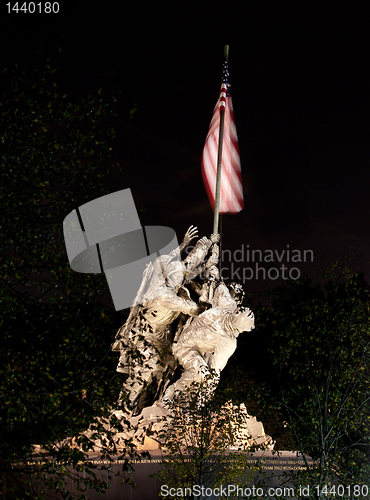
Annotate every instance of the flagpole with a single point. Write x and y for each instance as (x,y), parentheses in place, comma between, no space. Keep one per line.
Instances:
(219,159)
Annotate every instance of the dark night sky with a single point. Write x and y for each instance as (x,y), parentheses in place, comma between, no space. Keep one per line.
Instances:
(301,97)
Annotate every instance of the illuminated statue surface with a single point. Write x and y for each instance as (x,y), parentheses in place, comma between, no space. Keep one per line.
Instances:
(146,340)
(207,341)
(182,331)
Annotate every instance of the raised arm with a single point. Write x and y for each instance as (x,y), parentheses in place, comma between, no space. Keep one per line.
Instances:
(195,259)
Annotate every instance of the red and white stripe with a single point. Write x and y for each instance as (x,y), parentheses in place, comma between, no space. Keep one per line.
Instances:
(231,189)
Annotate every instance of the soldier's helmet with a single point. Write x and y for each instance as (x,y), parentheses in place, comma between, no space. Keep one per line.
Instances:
(175,273)
(237,292)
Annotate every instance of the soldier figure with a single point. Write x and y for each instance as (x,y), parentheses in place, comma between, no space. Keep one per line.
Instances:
(207,342)
(145,341)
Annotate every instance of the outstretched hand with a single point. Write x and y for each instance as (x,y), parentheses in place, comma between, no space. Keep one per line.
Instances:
(191,233)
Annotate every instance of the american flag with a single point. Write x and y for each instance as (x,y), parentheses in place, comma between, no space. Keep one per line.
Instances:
(231,189)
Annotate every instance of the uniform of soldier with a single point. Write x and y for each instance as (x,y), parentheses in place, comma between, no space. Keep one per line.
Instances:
(208,340)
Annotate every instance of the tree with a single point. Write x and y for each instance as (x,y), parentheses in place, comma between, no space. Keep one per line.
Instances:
(52,148)
(56,375)
(320,348)
(202,445)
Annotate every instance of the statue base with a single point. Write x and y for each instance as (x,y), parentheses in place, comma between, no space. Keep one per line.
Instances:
(148,429)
